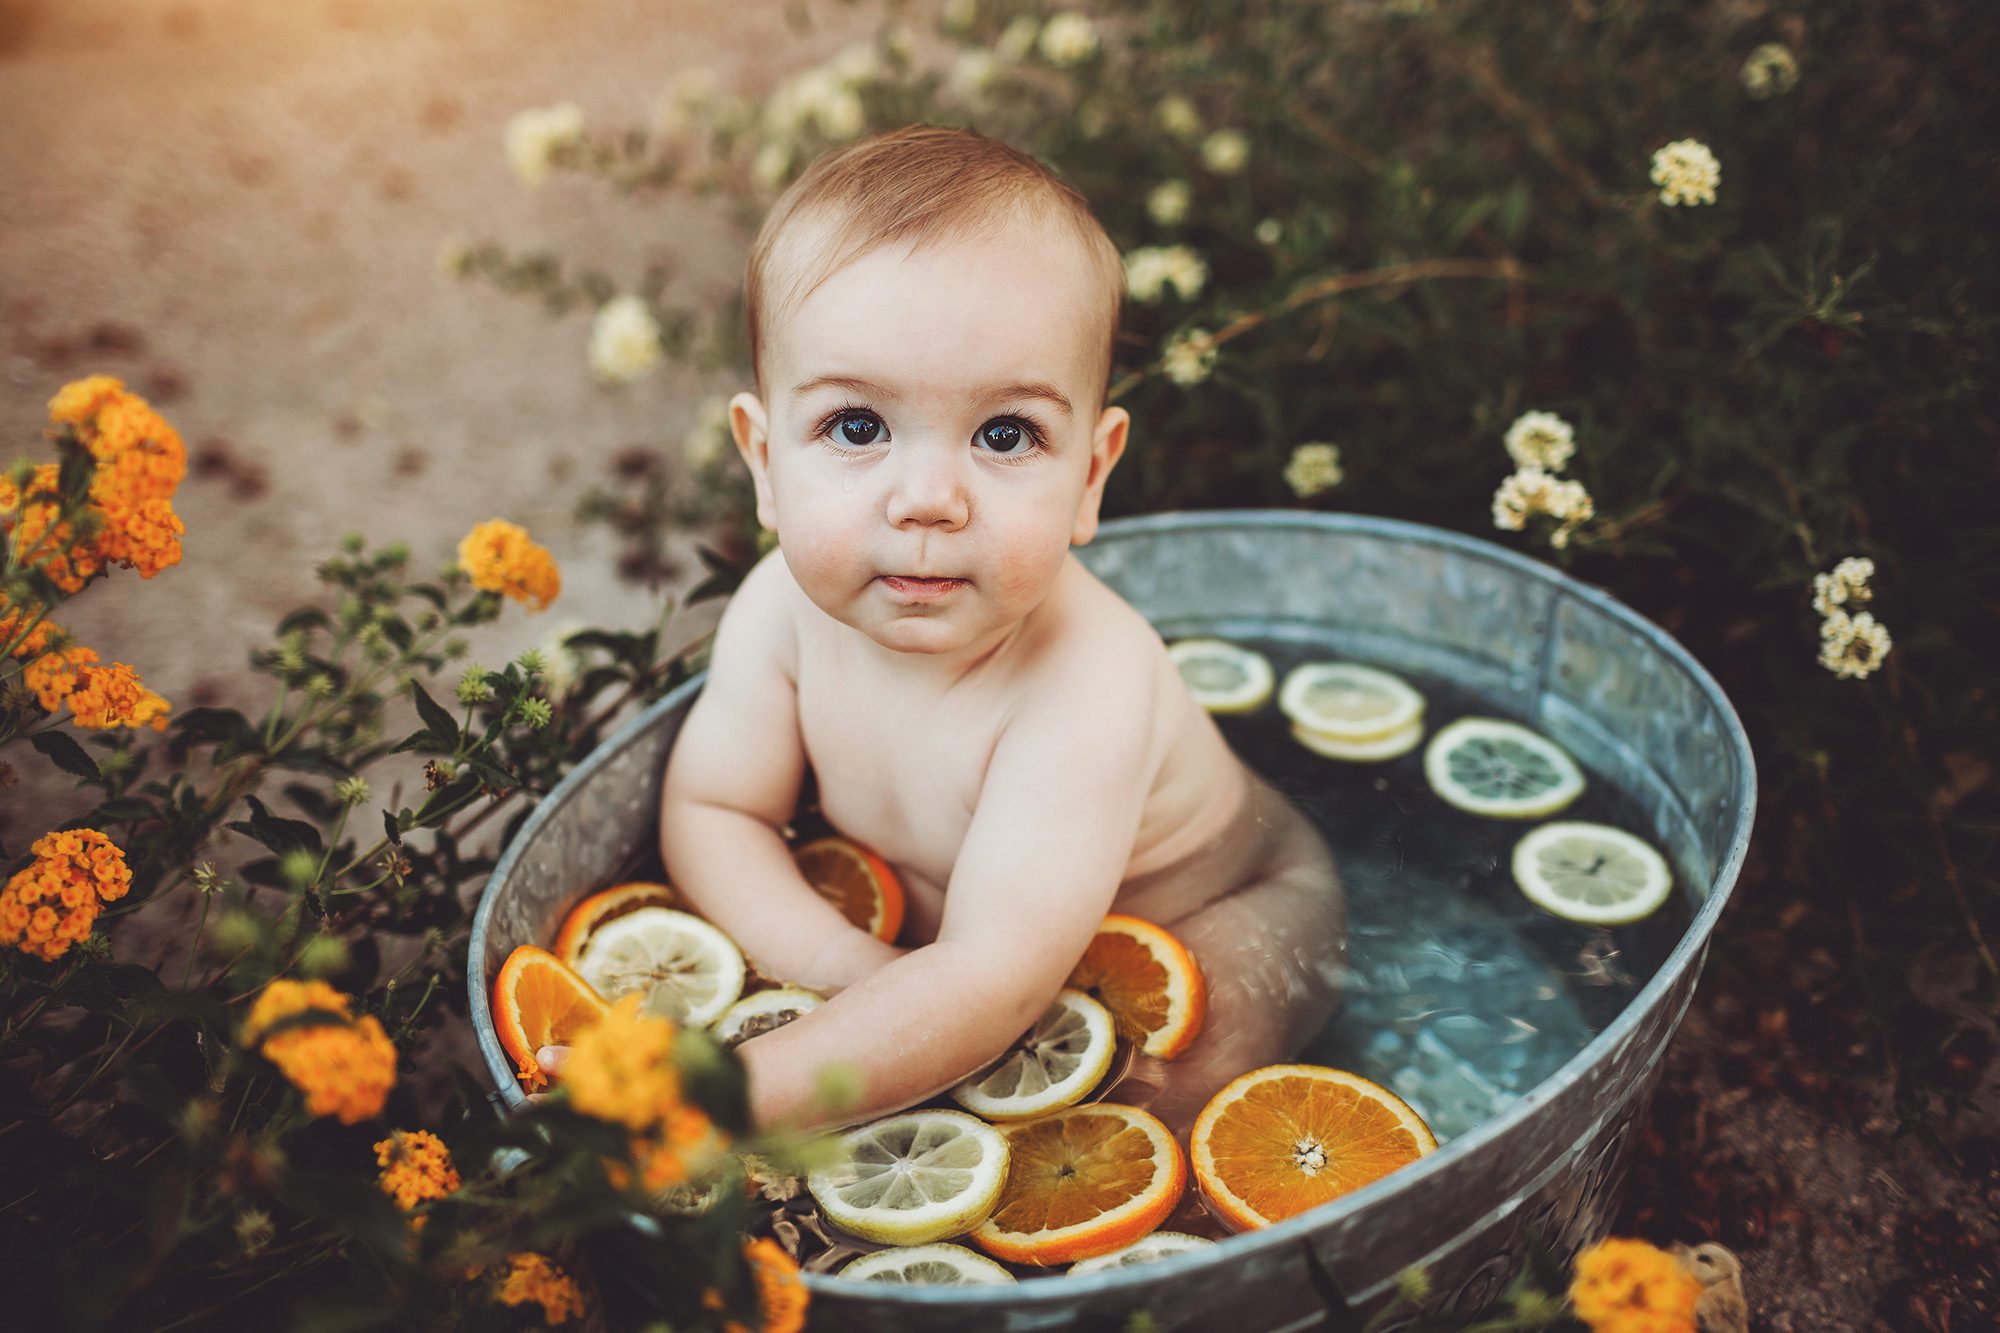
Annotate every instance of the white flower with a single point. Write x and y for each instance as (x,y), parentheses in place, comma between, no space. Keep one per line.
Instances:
(708,439)
(1189,357)
(958,15)
(1225,151)
(972,73)
(1017,38)
(560,665)
(1168,203)
(855,63)
(1313,468)
(1269,231)
(1540,439)
(1178,116)
(1529,491)
(1686,172)
(533,137)
(769,166)
(625,341)
(1770,70)
(1151,269)
(1068,39)
(1847,585)
(1852,647)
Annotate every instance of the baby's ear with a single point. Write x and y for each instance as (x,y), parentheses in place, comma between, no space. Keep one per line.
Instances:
(1106,446)
(752,430)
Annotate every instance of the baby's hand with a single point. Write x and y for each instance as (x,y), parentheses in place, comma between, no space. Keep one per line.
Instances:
(551,1059)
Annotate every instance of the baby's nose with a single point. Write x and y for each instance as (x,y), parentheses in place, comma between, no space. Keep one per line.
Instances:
(929,490)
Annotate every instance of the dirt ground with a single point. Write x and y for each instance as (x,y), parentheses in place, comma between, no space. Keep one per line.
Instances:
(236,206)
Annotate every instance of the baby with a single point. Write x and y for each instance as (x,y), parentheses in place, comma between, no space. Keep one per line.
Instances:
(931,318)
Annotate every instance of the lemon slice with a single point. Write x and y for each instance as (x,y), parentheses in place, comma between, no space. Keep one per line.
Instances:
(933,1265)
(1055,1063)
(1593,873)
(754,1015)
(1344,701)
(1391,746)
(1497,768)
(1222,677)
(913,1178)
(687,969)
(1145,1250)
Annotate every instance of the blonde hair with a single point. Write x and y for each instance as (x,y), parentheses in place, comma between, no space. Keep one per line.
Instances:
(922,185)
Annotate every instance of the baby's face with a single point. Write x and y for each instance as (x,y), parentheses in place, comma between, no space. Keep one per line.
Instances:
(932,417)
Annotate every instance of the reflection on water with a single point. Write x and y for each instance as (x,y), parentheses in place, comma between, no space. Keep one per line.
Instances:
(1461,995)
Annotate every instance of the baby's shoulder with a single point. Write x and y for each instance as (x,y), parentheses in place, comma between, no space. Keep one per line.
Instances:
(762,614)
(1096,646)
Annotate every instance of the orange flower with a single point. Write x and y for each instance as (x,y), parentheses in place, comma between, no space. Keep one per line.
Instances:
(53,903)
(1628,1286)
(781,1297)
(344,1068)
(621,1069)
(40,639)
(532,1277)
(499,557)
(98,696)
(416,1168)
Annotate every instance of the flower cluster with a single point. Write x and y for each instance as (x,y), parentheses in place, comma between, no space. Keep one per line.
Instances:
(1190,357)
(1169,202)
(1225,151)
(1852,643)
(782,1299)
(621,1069)
(1151,269)
(1628,1286)
(1541,443)
(416,1168)
(1686,172)
(499,557)
(1314,468)
(1771,69)
(533,1277)
(534,137)
(345,1066)
(53,902)
(1067,39)
(97,696)
(624,340)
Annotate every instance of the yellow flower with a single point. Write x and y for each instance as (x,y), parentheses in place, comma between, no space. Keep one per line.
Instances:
(345,1068)
(52,903)
(781,1297)
(1686,172)
(41,639)
(532,1277)
(141,462)
(98,696)
(621,1069)
(1628,1286)
(499,557)
(416,1168)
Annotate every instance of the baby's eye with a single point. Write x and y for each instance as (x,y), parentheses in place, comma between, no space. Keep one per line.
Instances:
(1010,437)
(859,428)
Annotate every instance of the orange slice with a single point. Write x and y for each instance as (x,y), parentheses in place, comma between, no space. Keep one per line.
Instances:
(1281,1139)
(855,880)
(538,1000)
(1083,1182)
(1148,980)
(608,905)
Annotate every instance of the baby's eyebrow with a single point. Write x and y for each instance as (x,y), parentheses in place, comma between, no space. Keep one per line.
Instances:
(1027,389)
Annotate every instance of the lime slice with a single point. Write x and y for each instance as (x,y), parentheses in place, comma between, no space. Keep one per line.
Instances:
(687,969)
(1502,769)
(1055,1063)
(1222,677)
(1391,746)
(913,1178)
(1593,873)
(938,1265)
(1145,1250)
(1344,701)
(754,1015)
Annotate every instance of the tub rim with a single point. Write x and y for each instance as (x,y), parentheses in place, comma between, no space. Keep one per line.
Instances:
(1682,959)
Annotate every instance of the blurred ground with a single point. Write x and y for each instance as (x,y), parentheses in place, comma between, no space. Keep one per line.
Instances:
(235,206)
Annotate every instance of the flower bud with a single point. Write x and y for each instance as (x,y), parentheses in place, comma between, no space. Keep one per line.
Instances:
(299,867)
(323,955)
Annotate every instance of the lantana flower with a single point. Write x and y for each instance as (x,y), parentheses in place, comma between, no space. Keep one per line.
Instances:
(53,902)
(1628,1286)
(621,1069)
(1151,269)
(624,340)
(1853,646)
(97,696)
(1529,491)
(535,1278)
(782,1298)
(499,557)
(1771,69)
(1190,358)
(1068,39)
(344,1066)
(1845,587)
(1686,172)
(416,1169)
(1168,202)
(1225,151)
(1314,468)
(1541,439)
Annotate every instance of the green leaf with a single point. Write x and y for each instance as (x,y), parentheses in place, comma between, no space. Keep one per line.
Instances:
(306,617)
(440,722)
(124,809)
(62,750)
(281,835)
(422,740)
(392,828)
(216,724)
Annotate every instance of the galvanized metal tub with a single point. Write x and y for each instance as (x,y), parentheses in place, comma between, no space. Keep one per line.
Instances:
(1608,685)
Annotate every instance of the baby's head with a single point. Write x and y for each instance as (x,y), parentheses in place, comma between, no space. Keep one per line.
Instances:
(931,322)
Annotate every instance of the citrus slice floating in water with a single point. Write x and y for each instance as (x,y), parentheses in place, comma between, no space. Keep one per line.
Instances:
(1593,873)
(599,908)
(1148,980)
(756,1014)
(1281,1139)
(1490,767)
(540,1001)
(861,884)
(1392,746)
(1145,1250)
(1084,1182)
(928,1265)
(1055,1063)
(913,1178)
(686,969)
(1345,701)
(1222,677)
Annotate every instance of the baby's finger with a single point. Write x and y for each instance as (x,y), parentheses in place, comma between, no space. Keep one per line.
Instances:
(552,1059)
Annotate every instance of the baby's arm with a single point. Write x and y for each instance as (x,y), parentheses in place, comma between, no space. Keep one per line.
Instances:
(732,783)
(1047,848)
